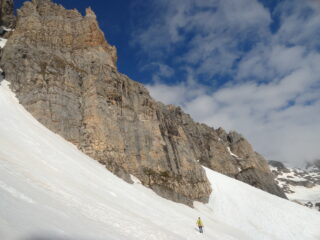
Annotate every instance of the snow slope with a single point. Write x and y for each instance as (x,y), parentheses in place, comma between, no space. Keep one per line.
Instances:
(2,42)
(50,190)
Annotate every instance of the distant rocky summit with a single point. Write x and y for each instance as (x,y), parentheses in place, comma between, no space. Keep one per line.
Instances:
(301,185)
(64,73)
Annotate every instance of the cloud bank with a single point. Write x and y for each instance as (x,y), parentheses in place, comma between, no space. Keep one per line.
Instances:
(242,65)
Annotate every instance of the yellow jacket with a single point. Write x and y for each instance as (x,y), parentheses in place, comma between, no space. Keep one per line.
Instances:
(199,223)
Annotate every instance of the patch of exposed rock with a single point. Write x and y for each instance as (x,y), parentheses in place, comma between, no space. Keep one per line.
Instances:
(278,165)
(302,185)
(252,167)
(64,73)
(7,18)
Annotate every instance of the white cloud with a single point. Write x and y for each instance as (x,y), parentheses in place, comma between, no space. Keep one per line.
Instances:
(160,70)
(273,97)
(175,94)
(168,94)
(274,116)
(299,22)
(210,30)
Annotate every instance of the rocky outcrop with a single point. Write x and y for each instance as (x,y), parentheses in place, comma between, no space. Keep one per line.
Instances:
(64,73)
(7,17)
(251,167)
(277,164)
(314,164)
(300,184)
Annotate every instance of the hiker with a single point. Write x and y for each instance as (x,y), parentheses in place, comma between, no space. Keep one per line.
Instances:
(200,224)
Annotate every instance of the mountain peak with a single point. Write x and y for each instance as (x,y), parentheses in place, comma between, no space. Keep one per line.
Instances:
(51,26)
(90,13)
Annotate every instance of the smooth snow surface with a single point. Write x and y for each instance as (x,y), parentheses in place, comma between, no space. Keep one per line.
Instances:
(50,190)
(3,42)
(303,194)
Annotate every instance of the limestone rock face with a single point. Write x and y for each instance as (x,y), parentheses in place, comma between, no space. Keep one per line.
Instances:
(64,73)
(232,155)
(254,169)
(7,17)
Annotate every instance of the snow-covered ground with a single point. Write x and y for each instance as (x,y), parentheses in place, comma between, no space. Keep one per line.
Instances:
(304,195)
(3,42)
(300,185)
(50,190)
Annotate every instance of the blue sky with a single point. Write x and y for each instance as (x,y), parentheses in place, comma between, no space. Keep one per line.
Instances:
(245,65)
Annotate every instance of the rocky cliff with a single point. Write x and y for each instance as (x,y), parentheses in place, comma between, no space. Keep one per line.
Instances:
(7,18)
(64,73)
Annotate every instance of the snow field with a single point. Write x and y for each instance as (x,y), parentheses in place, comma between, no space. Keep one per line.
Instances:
(49,189)
(3,42)
(300,194)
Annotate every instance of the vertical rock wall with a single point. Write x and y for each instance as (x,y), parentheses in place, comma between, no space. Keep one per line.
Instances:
(64,73)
